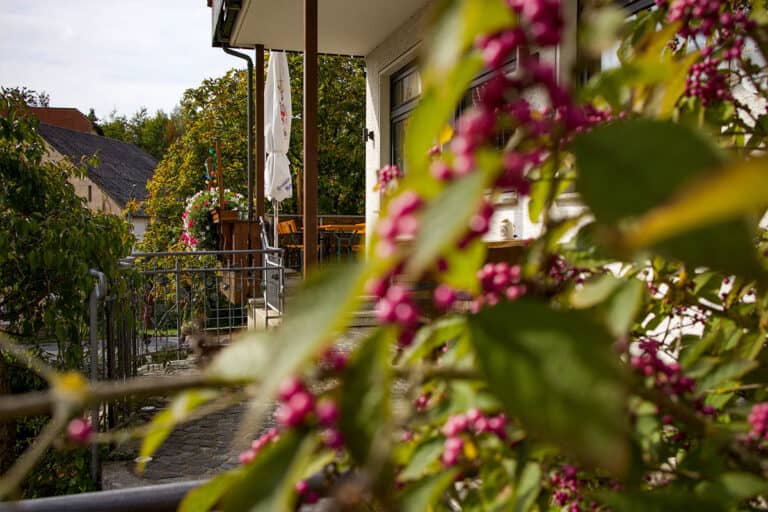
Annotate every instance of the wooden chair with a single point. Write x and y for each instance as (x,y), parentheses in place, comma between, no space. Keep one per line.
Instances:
(292,243)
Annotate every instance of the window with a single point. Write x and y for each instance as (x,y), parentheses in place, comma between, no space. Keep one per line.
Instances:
(405,93)
(90,193)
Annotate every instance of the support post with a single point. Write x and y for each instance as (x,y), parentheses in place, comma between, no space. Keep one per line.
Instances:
(260,147)
(99,290)
(310,135)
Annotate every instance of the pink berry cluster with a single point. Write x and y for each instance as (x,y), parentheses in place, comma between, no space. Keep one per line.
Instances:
(297,404)
(758,421)
(388,175)
(397,307)
(566,488)
(560,271)
(269,437)
(498,281)
(422,402)
(306,494)
(401,221)
(668,377)
(474,422)
(79,431)
(724,29)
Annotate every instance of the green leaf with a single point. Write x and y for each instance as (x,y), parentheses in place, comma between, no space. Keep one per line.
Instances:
(672,183)
(456,29)
(463,266)
(658,501)
(422,495)
(321,309)
(736,190)
(268,484)
(425,455)
(206,496)
(433,335)
(629,167)
(742,485)
(551,367)
(624,306)
(366,417)
(165,421)
(436,106)
(446,219)
(725,372)
(595,291)
(528,487)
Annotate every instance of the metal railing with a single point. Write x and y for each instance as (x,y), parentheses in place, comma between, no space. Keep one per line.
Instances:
(210,292)
(164,300)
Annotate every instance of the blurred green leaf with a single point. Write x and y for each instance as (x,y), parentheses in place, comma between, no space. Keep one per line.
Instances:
(623,307)
(268,483)
(422,495)
(594,291)
(320,309)
(205,497)
(366,417)
(436,107)
(434,335)
(630,167)
(425,455)
(725,372)
(736,190)
(666,177)
(528,487)
(463,266)
(457,26)
(550,367)
(165,421)
(659,501)
(446,219)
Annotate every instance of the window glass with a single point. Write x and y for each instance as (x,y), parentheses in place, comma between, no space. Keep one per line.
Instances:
(406,88)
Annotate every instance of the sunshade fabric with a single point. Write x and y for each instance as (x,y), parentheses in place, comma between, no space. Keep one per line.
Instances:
(277,128)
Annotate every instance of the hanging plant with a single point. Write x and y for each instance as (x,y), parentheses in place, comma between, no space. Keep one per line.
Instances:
(199,231)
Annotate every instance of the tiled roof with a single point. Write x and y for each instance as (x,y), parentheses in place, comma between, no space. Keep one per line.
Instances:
(123,170)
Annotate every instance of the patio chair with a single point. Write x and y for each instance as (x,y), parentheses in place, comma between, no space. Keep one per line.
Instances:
(292,242)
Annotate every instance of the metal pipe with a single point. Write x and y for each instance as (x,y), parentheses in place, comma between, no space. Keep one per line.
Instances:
(154,498)
(99,291)
(249,63)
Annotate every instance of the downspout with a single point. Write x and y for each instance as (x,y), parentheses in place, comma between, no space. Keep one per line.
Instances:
(249,63)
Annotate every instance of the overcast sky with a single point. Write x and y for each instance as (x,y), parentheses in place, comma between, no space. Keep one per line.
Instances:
(109,54)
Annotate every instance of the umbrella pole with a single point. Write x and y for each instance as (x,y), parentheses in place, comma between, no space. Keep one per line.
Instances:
(276,209)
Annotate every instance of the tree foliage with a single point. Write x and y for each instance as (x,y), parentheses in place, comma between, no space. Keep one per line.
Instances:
(217,110)
(49,239)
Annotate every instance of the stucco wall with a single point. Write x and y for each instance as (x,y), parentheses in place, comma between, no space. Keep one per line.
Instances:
(398,50)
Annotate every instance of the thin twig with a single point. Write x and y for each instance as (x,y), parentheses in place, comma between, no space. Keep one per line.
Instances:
(43,402)
(23,355)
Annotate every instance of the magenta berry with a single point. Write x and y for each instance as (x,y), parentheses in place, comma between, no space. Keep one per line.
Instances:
(79,431)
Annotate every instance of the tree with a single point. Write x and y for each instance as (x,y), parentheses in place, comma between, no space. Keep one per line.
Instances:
(49,239)
(152,134)
(217,109)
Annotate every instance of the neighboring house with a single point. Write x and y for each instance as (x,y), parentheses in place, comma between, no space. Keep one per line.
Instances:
(389,36)
(63,117)
(121,175)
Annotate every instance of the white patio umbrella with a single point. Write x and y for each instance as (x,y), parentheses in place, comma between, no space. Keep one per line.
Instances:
(278,185)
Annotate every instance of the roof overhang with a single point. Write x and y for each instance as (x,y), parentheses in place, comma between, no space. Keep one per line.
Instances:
(344,27)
